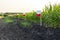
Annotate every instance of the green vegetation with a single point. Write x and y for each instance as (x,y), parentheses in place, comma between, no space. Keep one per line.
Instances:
(31,16)
(51,16)
(25,24)
(9,19)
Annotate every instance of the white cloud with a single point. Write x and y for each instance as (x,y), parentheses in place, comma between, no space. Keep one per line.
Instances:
(24,5)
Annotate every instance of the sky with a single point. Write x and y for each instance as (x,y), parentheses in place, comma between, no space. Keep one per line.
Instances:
(24,5)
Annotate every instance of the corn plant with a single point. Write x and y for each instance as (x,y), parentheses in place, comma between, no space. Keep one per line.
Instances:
(21,16)
(51,16)
(32,16)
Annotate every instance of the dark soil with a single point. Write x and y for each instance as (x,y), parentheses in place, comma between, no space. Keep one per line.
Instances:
(15,31)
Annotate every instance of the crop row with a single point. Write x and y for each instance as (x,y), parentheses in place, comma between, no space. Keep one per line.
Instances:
(49,17)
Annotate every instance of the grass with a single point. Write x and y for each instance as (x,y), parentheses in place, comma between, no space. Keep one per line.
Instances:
(1,17)
(8,19)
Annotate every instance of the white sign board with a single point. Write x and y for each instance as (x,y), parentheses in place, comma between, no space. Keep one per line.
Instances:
(38,12)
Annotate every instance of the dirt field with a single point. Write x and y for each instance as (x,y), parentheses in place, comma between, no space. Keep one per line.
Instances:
(14,31)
